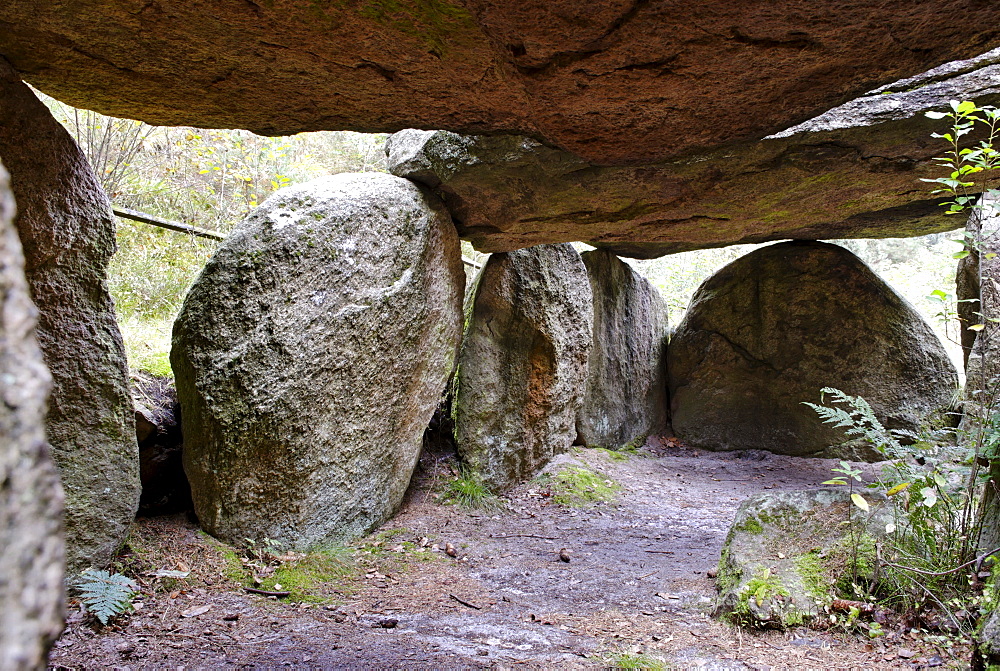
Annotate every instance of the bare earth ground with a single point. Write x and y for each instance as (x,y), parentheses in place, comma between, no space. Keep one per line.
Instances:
(636,584)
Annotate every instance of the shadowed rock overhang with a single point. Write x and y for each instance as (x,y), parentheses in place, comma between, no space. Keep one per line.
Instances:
(636,125)
(854,171)
(612,81)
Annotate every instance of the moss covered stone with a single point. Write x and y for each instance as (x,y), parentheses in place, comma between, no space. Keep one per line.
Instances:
(305,381)
(788,553)
(771,329)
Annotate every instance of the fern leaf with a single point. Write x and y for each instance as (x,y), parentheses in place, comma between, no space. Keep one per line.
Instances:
(106,594)
(858,420)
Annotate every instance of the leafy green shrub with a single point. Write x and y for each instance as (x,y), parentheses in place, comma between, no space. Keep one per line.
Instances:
(106,594)
(933,532)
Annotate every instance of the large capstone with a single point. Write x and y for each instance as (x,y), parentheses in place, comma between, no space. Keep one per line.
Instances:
(626,396)
(310,355)
(523,365)
(850,172)
(614,81)
(31,542)
(771,329)
(68,234)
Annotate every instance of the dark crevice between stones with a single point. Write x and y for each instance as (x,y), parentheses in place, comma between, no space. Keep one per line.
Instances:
(165,488)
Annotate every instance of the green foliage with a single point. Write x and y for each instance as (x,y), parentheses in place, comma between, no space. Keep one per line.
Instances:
(855,416)
(106,594)
(932,515)
(467,490)
(967,168)
(576,486)
(627,660)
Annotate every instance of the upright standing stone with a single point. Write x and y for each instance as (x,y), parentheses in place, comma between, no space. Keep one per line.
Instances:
(310,355)
(626,398)
(982,366)
(31,543)
(523,365)
(772,328)
(68,234)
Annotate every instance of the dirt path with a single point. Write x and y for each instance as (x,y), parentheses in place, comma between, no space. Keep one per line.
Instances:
(636,588)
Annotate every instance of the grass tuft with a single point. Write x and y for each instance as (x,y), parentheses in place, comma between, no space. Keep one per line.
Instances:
(467,490)
(625,660)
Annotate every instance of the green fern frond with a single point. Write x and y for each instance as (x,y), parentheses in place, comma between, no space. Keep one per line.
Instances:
(858,420)
(106,594)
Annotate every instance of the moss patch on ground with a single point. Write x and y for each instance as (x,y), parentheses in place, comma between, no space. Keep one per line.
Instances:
(576,486)
(309,578)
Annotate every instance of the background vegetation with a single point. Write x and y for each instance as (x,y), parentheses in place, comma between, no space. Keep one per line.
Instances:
(213,178)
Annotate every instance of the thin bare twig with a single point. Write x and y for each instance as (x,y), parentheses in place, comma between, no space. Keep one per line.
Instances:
(465,603)
(254,590)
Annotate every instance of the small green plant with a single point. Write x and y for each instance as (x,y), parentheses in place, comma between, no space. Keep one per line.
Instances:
(468,490)
(855,416)
(627,660)
(106,595)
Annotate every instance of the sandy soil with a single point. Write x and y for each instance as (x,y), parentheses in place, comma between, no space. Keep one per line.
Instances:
(637,583)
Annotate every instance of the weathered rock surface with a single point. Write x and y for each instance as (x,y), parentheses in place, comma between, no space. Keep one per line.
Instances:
(771,329)
(987,639)
(68,233)
(522,369)
(310,355)
(788,553)
(977,280)
(853,172)
(626,395)
(31,499)
(612,81)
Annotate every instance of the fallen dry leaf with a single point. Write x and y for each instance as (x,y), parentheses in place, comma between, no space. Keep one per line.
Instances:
(197,610)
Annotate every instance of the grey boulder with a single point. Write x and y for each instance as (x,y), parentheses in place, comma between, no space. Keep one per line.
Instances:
(309,357)
(788,554)
(523,363)
(68,234)
(31,499)
(768,331)
(626,395)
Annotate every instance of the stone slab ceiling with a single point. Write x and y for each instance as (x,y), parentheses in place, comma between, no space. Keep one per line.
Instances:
(614,82)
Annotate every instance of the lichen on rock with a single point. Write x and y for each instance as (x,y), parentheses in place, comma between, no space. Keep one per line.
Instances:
(523,364)
(768,331)
(789,554)
(626,396)
(310,355)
